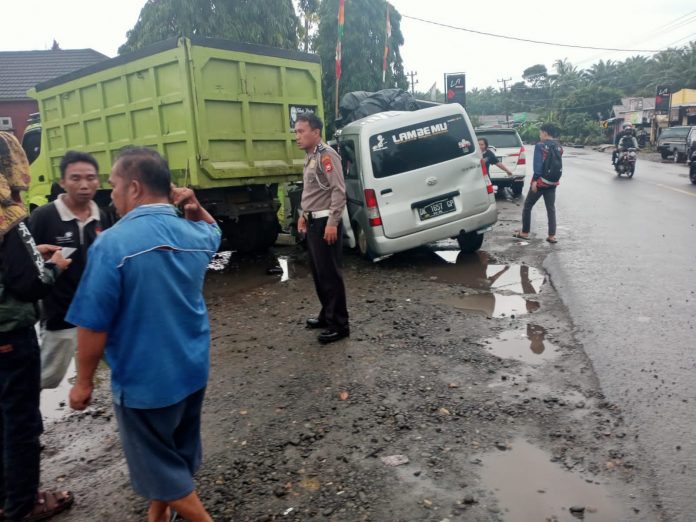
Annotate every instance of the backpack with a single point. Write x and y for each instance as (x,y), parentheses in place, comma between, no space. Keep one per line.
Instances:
(552,168)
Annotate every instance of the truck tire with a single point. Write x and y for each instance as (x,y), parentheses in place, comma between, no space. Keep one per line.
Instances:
(677,156)
(664,154)
(469,242)
(268,231)
(692,174)
(251,233)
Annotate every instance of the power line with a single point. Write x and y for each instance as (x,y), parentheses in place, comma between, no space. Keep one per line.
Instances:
(658,32)
(527,39)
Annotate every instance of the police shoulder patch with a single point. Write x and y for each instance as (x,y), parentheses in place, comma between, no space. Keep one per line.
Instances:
(327,163)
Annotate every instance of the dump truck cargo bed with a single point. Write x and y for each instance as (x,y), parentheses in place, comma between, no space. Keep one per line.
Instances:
(220,112)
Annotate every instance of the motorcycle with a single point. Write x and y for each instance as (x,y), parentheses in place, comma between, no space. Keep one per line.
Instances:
(626,162)
(692,167)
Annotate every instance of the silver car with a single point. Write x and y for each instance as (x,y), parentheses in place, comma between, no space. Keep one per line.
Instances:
(508,148)
(413,178)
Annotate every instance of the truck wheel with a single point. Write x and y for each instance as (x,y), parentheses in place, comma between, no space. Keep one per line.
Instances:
(251,233)
(361,243)
(664,155)
(676,157)
(692,174)
(268,231)
(469,242)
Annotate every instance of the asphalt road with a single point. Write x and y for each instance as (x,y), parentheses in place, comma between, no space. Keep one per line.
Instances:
(625,266)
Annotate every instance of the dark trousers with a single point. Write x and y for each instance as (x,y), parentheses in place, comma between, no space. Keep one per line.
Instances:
(326,262)
(549,195)
(20,421)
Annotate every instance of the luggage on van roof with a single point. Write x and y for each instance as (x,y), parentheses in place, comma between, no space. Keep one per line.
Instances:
(359,104)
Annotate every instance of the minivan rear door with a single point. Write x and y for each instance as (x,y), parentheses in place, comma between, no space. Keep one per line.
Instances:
(425,171)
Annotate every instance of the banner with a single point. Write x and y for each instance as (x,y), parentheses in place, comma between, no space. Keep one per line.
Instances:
(432,92)
(456,88)
(386,48)
(339,40)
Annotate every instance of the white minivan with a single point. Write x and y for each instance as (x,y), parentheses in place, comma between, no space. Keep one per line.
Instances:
(413,178)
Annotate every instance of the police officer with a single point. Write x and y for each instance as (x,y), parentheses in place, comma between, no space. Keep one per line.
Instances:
(323,201)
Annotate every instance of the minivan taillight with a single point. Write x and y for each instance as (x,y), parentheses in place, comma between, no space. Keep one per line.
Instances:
(372,209)
(486,177)
(522,160)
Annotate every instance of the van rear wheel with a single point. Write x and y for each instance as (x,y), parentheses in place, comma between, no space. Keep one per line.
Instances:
(361,243)
(469,242)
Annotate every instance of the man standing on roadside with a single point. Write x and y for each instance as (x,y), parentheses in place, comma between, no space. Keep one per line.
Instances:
(323,201)
(73,222)
(140,302)
(548,168)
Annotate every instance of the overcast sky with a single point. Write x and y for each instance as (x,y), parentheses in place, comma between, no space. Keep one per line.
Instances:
(429,50)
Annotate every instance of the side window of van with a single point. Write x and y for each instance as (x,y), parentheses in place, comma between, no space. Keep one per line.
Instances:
(420,145)
(350,167)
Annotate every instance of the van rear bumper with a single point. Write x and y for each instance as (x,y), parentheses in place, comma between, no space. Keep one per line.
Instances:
(382,245)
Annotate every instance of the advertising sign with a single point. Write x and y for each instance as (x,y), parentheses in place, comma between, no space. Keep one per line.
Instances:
(662,99)
(456,88)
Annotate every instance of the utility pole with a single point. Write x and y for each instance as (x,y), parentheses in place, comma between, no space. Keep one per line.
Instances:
(504,82)
(413,74)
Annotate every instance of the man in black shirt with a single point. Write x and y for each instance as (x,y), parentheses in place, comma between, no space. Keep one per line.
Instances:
(73,222)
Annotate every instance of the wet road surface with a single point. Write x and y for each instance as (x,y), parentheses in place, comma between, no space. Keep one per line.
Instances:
(625,267)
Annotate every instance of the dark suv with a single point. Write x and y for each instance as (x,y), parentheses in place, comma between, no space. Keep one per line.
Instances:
(508,147)
(676,142)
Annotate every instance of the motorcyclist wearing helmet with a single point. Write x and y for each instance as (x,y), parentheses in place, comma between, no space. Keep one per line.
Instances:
(623,141)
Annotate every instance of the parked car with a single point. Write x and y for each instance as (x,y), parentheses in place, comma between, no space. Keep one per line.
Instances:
(676,142)
(413,178)
(508,147)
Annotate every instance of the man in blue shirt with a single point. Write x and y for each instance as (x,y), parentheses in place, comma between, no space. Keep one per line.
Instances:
(140,302)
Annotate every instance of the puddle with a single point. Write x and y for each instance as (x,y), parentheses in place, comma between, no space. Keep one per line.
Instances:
(493,304)
(54,403)
(529,486)
(478,271)
(526,345)
(220,261)
(230,273)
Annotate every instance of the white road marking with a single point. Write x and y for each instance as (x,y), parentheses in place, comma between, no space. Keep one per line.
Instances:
(692,194)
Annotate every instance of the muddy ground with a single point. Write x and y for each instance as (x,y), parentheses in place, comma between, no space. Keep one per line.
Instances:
(461,394)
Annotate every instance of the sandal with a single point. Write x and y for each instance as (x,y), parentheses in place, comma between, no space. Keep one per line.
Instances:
(49,503)
(518,235)
(552,240)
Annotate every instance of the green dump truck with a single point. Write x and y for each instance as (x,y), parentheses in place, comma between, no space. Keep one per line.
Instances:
(222,113)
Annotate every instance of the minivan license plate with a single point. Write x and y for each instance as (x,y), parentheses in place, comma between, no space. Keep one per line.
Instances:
(437,208)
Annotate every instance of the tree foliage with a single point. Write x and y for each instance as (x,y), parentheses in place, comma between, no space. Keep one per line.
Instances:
(578,99)
(309,17)
(269,22)
(362,49)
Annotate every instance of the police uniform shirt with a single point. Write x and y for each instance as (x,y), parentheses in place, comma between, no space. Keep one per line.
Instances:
(324,186)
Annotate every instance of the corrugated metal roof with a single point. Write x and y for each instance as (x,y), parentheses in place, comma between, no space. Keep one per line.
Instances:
(21,70)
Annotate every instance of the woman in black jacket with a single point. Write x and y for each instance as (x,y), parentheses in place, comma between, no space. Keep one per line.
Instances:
(24,279)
